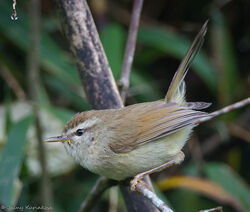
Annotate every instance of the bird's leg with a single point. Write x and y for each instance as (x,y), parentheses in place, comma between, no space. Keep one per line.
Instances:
(177,159)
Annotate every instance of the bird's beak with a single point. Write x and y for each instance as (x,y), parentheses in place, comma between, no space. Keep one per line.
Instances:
(60,138)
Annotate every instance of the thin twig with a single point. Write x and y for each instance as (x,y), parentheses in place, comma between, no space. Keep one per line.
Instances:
(213,209)
(101,185)
(124,82)
(34,84)
(12,83)
(130,48)
(237,131)
(156,201)
(224,110)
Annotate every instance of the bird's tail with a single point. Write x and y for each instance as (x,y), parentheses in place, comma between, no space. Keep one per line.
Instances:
(176,90)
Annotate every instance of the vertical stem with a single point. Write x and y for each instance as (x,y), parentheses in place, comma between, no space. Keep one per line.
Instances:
(34,86)
(130,197)
(130,47)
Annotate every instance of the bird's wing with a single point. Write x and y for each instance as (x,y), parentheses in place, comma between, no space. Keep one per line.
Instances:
(147,122)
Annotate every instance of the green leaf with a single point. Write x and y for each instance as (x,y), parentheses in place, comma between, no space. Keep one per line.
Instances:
(225,57)
(11,158)
(176,46)
(8,118)
(63,114)
(184,200)
(57,62)
(70,96)
(114,49)
(143,88)
(230,181)
(113,40)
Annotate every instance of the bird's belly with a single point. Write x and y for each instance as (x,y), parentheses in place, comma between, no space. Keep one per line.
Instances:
(153,154)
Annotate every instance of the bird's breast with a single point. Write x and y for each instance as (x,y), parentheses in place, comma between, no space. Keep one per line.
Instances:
(119,166)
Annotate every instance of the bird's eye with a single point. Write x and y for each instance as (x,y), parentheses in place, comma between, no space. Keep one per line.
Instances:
(79,132)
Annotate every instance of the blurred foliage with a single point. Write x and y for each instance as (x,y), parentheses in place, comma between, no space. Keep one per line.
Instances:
(220,74)
(11,159)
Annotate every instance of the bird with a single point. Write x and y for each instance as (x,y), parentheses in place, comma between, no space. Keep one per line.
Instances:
(140,138)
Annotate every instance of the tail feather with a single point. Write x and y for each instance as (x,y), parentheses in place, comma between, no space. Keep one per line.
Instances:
(173,91)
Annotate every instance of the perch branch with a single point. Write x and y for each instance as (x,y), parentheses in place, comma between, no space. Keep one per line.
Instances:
(130,48)
(156,201)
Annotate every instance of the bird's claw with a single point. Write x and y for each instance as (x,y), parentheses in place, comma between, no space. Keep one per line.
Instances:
(134,182)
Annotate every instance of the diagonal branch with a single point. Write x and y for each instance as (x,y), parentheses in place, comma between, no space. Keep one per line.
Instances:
(101,185)
(92,64)
(12,82)
(130,48)
(224,110)
(156,201)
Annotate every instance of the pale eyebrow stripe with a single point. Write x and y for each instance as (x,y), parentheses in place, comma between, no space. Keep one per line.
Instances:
(90,123)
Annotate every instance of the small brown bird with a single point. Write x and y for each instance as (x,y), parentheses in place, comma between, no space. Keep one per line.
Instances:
(145,137)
